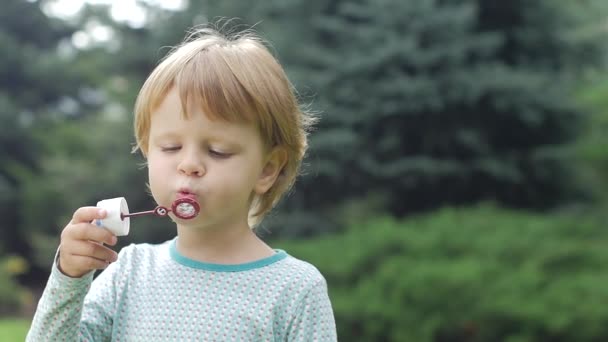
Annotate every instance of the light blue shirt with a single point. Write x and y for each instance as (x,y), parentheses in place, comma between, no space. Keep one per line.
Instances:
(152,293)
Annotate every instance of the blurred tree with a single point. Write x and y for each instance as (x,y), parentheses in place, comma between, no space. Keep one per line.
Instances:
(593,146)
(35,82)
(433,102)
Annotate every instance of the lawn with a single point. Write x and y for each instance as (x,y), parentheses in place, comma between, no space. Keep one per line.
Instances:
(13,329)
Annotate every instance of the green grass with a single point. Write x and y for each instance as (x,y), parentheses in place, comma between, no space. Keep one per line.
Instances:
(13,329)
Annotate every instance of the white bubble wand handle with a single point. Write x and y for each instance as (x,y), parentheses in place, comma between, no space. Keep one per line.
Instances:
(114,221)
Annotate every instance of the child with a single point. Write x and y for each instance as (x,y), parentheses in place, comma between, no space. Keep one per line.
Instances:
(218,122)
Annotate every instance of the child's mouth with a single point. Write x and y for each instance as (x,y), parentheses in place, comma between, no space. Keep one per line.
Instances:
(186,194)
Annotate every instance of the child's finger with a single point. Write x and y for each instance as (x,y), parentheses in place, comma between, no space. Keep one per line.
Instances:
(89,232)
(88,214)
(91,249)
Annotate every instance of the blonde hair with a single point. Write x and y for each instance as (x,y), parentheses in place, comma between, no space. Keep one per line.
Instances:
(232,77)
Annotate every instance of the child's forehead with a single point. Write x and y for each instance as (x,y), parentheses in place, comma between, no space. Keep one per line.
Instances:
(186,103)
(169,123)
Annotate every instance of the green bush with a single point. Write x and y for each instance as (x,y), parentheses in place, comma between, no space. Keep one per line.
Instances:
(479,274)
(12,295)
(591,148)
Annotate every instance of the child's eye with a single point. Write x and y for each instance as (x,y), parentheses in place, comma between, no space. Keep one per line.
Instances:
(170,148)
(219,154)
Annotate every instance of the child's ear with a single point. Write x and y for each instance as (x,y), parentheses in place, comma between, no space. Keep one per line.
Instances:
(275,162)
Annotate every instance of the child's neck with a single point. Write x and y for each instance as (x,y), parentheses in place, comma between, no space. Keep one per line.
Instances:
(221,246)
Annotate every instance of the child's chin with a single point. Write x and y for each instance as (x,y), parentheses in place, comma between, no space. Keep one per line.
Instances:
(195,221)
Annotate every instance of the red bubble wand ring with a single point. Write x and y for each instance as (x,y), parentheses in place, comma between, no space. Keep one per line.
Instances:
(184,208)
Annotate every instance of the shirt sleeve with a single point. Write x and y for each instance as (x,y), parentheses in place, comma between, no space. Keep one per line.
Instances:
(75,309)
(314,318)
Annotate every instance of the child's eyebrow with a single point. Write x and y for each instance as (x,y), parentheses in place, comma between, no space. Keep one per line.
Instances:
(211,139)
(166,135)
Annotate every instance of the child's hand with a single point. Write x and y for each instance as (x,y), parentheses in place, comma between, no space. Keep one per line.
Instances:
(81,249)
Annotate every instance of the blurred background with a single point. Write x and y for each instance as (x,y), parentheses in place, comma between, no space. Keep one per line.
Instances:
(456,187)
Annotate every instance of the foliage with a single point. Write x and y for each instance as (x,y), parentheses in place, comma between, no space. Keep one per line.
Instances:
(36,84)
(480,274)
(446,102)
(592,148)
(12,295)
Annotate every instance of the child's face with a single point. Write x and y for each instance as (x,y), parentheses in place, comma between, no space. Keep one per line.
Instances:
(218,163)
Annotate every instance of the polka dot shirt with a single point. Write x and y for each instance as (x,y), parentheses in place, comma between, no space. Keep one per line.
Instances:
(152,293)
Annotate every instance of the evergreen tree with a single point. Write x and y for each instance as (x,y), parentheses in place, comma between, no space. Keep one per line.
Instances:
(433,102)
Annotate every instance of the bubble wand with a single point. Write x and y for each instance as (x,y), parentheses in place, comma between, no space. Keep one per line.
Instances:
(184,208)
(118,218)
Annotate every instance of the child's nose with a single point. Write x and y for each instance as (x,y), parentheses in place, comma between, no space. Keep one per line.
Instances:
(191,165)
